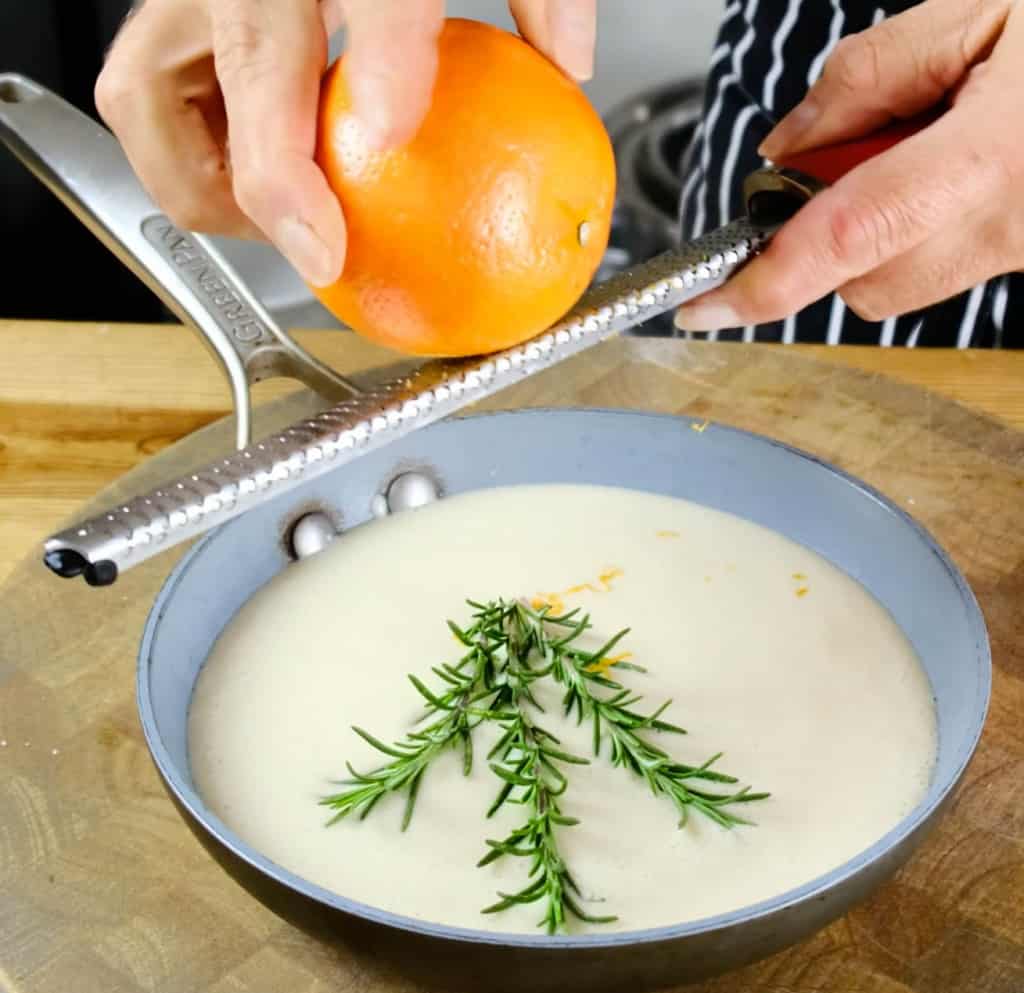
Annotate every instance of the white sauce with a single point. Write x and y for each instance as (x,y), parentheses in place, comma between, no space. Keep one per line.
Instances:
(817,698)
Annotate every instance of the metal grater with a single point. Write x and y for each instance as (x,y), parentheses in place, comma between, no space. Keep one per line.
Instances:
(83,165)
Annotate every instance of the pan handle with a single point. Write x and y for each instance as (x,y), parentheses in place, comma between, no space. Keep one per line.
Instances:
(84,166)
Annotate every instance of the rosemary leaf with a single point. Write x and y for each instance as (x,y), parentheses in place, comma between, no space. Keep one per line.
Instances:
(467,751)
(433,700)
(410,801)
(379,745)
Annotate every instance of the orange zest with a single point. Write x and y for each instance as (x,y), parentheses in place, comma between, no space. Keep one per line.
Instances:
(603,665)
(555,602)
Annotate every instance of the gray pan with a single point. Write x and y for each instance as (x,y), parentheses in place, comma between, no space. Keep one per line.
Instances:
(857,529)
(815,504)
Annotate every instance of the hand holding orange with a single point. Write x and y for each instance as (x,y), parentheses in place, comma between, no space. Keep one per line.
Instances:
(476,229)
(490,222)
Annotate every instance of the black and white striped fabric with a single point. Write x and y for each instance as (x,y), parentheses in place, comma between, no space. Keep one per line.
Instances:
(767,54)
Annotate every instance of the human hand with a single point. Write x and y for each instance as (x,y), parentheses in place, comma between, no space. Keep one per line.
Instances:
(215,103)
(930,218)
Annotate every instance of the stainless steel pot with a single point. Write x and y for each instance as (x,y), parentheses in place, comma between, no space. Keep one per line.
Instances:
(857,529)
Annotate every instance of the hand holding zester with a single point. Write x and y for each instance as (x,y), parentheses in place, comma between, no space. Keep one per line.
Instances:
(930,218)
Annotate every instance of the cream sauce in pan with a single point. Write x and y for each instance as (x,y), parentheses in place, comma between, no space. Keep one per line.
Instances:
(770,654)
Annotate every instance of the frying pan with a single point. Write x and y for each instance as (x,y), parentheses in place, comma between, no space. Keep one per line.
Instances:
(852,526)
(856,528)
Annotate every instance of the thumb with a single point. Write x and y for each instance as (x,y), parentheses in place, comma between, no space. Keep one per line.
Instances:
(898,68)
(391,64)
(269,58)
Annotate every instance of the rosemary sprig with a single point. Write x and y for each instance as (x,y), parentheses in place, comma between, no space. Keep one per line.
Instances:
(579,671)
(510,647)
(529,761)
(526,759)
(468,684)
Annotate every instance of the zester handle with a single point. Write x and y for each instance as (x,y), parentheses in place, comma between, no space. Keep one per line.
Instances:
(829,163)
(84,166)
(771,194)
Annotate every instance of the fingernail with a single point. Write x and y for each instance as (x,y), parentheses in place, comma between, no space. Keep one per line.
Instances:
(578,62)
(371,96)
(707,315)
(574,41)
(376,127)
(790,129)
(301,245)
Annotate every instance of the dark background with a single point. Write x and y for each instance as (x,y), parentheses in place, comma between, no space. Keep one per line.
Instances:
(61,44)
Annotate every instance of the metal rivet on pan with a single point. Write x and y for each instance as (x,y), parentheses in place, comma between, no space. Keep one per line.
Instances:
(312,534)
(411,490)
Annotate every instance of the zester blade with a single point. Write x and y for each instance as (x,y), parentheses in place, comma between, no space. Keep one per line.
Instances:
(105,545)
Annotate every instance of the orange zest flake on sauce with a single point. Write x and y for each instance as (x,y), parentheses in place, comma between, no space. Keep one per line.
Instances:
(668,534)
(555,602)
(799,576)
(603,665)
(803,591)
(605,579)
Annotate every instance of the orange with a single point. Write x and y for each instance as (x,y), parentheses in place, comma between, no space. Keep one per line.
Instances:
(489,224)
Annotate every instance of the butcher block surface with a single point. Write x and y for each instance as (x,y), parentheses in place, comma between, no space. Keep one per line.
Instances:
(103,888)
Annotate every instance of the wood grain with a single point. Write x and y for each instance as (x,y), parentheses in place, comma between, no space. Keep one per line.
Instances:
(81,404)
(104,889)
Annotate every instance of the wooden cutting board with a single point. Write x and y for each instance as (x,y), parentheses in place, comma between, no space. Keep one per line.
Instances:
(103,889)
